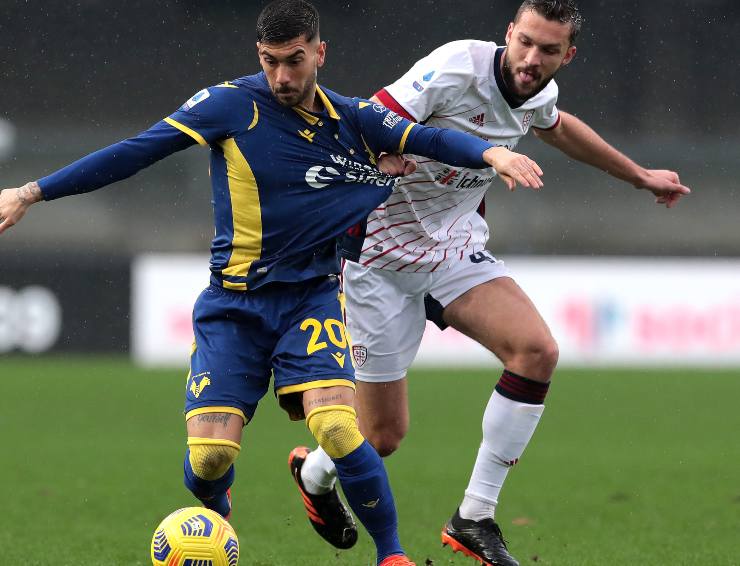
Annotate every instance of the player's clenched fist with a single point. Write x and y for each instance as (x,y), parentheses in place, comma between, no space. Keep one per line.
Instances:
(514,168)
(15,202)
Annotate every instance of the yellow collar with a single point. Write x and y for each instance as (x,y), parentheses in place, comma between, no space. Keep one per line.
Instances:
(310,118)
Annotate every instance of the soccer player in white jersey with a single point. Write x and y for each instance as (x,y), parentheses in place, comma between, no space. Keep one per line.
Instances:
(426,247)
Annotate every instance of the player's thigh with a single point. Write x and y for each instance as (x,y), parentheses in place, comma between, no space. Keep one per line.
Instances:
(313,352)
(386,320)
(229,364)
(482,301)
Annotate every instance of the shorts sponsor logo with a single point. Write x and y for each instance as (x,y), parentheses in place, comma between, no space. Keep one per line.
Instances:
(359,354)
(417,86)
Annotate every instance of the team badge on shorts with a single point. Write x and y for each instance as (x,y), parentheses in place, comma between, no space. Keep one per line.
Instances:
(359,354)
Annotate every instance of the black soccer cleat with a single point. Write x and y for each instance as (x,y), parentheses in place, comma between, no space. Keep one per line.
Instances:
(481,540)
(328,515)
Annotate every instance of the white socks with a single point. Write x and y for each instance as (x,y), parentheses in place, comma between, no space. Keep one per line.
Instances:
(507,428)
(318,472)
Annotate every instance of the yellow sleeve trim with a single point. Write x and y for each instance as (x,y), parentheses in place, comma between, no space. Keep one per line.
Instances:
(299,387)
(207,410)
(405,136)
(256,116)
(197,440)
(234,286)
(185,130)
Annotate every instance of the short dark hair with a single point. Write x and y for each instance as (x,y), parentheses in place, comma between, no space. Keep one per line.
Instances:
(563,11)
(283,20)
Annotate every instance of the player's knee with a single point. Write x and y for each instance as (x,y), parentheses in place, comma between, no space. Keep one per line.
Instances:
(536,358)
(386,439)
(335,429)
(211,458)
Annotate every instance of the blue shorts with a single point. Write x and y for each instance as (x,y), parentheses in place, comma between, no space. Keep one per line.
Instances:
(294,331)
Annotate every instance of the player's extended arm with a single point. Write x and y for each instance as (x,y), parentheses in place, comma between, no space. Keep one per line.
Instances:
(465,150)
(577,140)
(106,166)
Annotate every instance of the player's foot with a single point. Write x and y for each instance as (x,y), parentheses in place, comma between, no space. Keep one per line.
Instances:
(228,498)
(481,540)
(396,560)
(221,504)
(326,512)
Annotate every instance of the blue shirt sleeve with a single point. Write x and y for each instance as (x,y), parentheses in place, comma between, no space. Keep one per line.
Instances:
(116,162)
(386,131)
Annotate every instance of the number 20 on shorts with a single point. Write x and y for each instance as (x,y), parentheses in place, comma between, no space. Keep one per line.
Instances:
(333,329)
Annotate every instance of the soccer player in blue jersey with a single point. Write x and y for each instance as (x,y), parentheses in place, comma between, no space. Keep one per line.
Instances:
(293,167)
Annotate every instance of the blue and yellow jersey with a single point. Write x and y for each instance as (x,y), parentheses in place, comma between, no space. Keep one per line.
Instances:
(286,182)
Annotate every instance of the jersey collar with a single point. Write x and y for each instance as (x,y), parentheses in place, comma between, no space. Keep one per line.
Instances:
(509,97)
(312,119)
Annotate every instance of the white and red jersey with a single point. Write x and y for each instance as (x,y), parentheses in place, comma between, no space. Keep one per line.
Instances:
(431,217)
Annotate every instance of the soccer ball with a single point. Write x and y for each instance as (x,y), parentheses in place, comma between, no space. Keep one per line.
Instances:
(195,536)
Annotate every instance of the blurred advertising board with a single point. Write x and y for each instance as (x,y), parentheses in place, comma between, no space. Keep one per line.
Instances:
(602,311)
(64,303)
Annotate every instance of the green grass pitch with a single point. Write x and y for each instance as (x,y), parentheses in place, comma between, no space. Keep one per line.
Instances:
(627,467)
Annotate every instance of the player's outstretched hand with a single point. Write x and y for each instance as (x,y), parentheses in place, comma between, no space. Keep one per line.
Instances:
(514,168)
(665,185)
(15,202)
(396,165)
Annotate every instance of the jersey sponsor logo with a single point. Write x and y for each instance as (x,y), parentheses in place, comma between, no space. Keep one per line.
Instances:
(451,177)
(527,119)
(417,86)
(478,120)
(447,176)
(196,388)
(362,173)
(315,179)
(359,354)
(196,98)
(391,120)
(307,134)
(428,77)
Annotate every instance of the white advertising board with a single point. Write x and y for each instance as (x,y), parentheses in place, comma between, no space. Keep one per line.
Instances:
(602,312)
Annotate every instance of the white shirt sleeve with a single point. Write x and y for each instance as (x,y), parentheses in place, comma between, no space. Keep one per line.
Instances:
(546,116)
(436,81)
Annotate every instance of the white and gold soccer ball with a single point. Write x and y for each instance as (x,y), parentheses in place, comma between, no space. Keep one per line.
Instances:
(195,536)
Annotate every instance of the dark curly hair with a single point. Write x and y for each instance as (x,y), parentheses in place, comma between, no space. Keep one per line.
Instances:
(283,20)
(563,11)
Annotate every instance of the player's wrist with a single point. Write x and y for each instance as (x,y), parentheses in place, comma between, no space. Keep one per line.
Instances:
(29,194)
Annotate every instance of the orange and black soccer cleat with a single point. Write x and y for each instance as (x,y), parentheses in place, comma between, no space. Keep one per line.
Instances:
(481,540)
(396,560)
(328,515)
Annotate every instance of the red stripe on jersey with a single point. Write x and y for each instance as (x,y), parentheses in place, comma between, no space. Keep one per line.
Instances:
(392,104)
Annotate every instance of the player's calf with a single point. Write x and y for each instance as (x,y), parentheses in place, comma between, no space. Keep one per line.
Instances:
(209,471)
(361,473)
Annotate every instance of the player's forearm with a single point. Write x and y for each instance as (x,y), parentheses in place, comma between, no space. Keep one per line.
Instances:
(448,146)
(577,140)
(114,163)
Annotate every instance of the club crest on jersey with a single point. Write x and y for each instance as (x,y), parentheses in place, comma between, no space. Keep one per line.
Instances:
(197,387)
(196,98)
(527,119)
(359,355)
(417,86)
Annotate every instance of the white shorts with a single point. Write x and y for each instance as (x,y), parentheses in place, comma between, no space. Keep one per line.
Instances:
(386,312)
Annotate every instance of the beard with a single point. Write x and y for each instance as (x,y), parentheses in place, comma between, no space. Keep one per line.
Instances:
(507,74)
(290,97)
